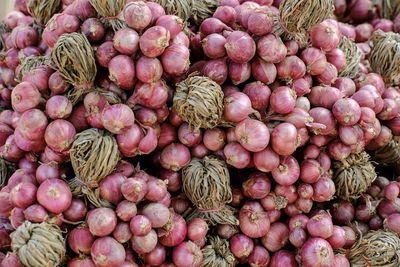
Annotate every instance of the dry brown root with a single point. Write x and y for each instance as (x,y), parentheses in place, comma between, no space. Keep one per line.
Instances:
(216,253)
(43,10)
(353,58)
(110,11)
(388,155)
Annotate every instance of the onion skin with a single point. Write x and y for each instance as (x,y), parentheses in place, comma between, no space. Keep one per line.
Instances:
(276,238)
(101,221)
(55,195)
(253,220)
(106,251)
(316,252)
(283,258)
(187,254)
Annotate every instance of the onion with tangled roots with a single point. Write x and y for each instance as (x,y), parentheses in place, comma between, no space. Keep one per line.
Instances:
(199,101)
(94,155)
(110,10)
(42,10)
(385,56)
(206,183)
(6,170)
(376,248)
(389,9)
(216,253)
(388,155)
(39,245)
(353,176)
(353,57)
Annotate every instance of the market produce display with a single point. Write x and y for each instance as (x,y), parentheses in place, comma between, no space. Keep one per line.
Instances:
(213,133)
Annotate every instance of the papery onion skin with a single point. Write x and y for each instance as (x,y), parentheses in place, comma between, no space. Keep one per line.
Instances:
(316,252)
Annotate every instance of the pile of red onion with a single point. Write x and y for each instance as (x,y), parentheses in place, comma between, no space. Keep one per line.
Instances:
(291,117)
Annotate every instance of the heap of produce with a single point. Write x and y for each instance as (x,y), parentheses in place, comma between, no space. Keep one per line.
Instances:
(200,133)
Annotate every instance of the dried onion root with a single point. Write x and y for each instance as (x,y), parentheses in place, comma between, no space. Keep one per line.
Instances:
(388,155)
(385,56)
(31,63)
(94,155)
(6,170)
(199,101)
(43,10)
(353,176)
(377,248)
(389,9)
(110,11)
(206,183)
(216,253)
(353,58)
(38,245)
(298,16)
(73,56)
(202,9)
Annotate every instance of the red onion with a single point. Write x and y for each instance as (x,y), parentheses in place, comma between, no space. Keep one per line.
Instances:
(197,229)
(58,107)
(237,107)
(338,238)
(214,46)
(259,256)
(125,41)
(343,212)
(148,70)
(137,15)
(310,171)
(175,156)
(315,60)
(101,221)
(324,96)
(212,25)
(288,171)
(214,139)
(126,210)
(154,41)
(38,77)
(392,223)
(260,22)
(266,160)
(263,71)
(252,134)
(144,244)
(80,240)
(23,36)
(320,225)
(55,195)
(122,233)
(271,49)
(181,39)
(134,189)
(157,190)
(257,186)
(390,110)
(126,78)
(59,135)
(347,111)
(276,238)
(283,258)
(6,205)
(253,220)
(128,141)
(175,59)
(151,95)
(174,232)
(189,137)
(216,70)
(298,237)
(258,94)
(329,75)
(284,139)
(157,213)
(324,189)
(239,72)
(187,254)
(81,262)
(156,257)
(337,58)
(106,251)
(36,213)
(325,36)
(168,135)
(283,100)
(25,96)
(110,188)
(76,211)
(16,217)
(391,191)
(346,86)
(241,246)
(291,68)
(226,13)
(341,260)
(32,124)
(236,155)
(93,29)
(325,117)
(117,118)
(23,195)
(107,50)
(316,252)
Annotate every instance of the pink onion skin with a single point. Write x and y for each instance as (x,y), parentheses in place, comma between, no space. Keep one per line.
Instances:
(106,251)
(216,70)
(80,240)
(347,111)
(253,220)
(288,171)
(392,223)
(284,139)
(259,95)
(122,71)
(23,36)
(151,95)
(266,160)
(175,156)
(346,86)
(324,189)
(168,135)
(144,244)
(175,59)
(126,210)
(259,257)
(93,29)
(148,70)
(156,257)
(260,17)
(23,195)
(212,25)
(315,60)
(214,139)
(134,189)
(117,118)
(239,72)
(157,213)
(104,53)
(237,107)
(320,225)
(157,190)
(276,238)
(11,260)
(257,186)
(128,141)
(36,213)
(338,238)
(55,195)
(214,46)
(59,135)
(125,41)
(110,188)
(189,137)
(324,96)
(337,58)
(283,258)
(137,15)
(325,117)
(236,155)
(16,218)
(329,75)
(39,77)
(271,49)
(341,260)
(174,232)
(101,221)
(81,262)
(310,171)
(76,211)
(154,41)
(283,100)
(58,107)
(122,233)
(197,229)
(32,125)
(181,39)
(226,13)
(263,71)
(253,135)
(291,68)
(187,254)
(25,96)
(241,246)
(325,36)
(316,252)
